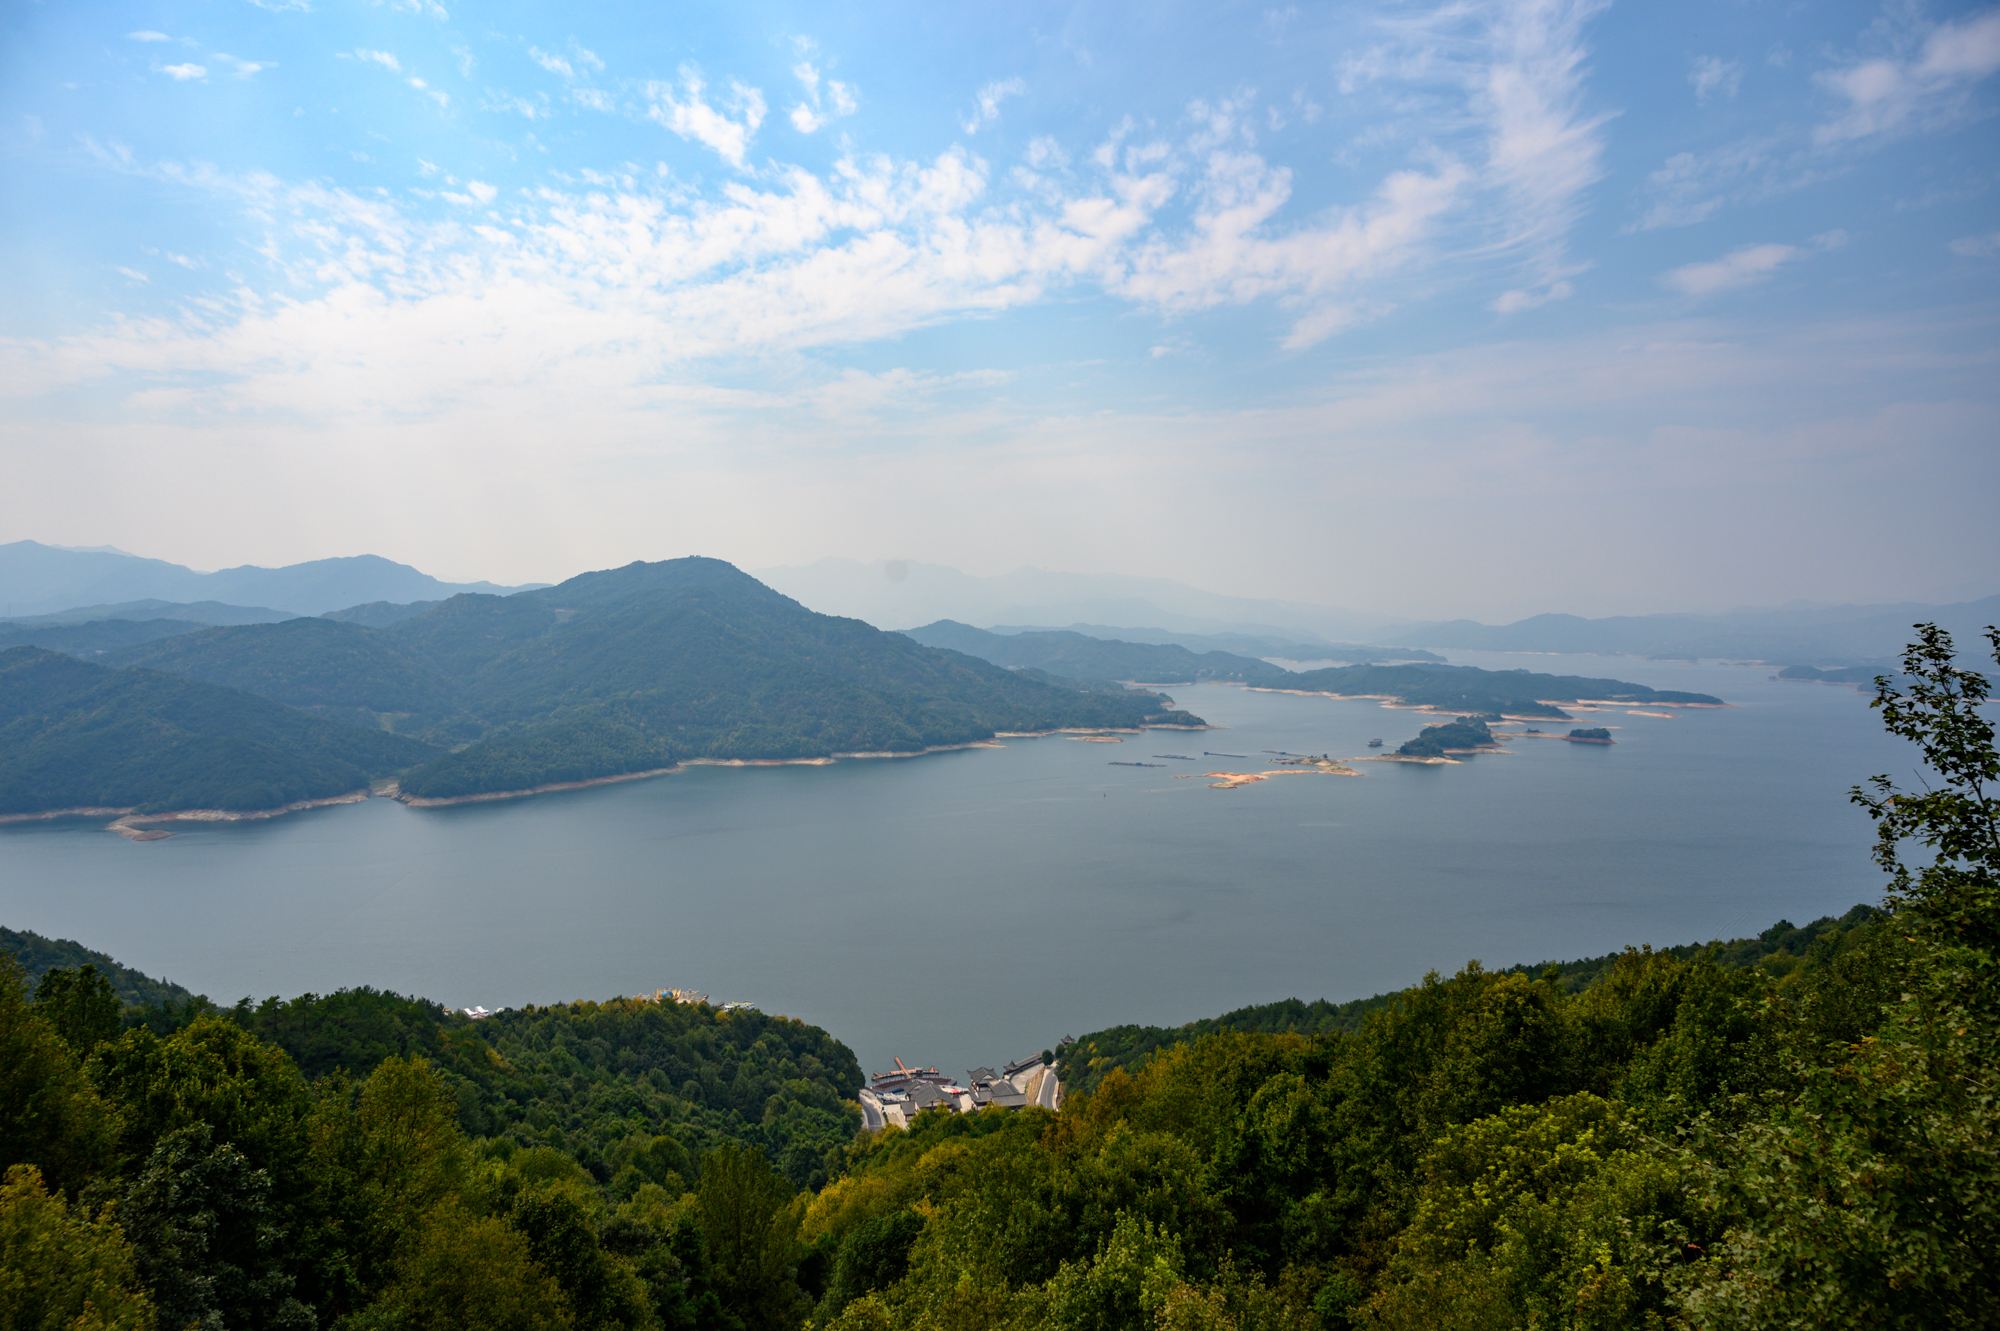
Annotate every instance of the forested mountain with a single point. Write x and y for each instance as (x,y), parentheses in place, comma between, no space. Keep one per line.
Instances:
(1080,656)
(1471,689)
(95,638)
(37,579)
(205,614)
(610,673)
(634,668)
(338,670)
(76,735)
(380,614)
(37,955)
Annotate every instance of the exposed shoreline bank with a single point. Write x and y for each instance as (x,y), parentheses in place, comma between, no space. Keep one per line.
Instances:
(129,823)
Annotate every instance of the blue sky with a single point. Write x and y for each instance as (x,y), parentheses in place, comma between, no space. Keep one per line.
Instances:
(1478,307)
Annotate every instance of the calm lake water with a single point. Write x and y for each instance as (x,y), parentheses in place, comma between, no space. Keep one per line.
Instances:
(970,907)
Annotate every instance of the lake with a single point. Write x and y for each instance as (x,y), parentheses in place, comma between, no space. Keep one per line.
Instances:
(975,906)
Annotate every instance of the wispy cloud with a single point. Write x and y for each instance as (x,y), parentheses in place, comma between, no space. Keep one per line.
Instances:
(681,106)
(1516,70)
(1890,93)
(185,73)
(147,35)
(1977,247)
(386,59)
(241,68)
(986,103)
(552,62)
(1745,267)
(1711,77)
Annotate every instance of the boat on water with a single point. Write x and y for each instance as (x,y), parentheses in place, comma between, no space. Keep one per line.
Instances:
(1374,743)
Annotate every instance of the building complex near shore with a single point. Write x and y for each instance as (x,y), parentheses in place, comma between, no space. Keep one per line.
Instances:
(892,1099)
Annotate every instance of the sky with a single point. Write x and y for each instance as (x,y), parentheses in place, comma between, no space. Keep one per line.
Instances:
(1481,307)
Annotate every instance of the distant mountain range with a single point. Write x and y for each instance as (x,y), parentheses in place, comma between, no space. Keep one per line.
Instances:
(1266,645)
(1803,635)
(37,579)
(895,593)
(607,674)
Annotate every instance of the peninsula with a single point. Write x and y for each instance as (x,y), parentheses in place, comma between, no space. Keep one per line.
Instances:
(609,675)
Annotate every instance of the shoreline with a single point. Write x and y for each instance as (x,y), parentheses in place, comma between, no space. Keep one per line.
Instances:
(1394,703)
(129,823)
(824,760)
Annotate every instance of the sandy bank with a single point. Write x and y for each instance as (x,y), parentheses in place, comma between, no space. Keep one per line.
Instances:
(129,823)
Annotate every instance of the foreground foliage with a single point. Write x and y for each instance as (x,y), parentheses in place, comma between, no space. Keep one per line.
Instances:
(1797,1130)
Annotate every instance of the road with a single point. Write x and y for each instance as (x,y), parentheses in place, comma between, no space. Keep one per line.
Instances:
(871,1111)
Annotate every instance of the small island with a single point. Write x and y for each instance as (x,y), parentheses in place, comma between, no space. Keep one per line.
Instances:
(1467,734)
(1591,735)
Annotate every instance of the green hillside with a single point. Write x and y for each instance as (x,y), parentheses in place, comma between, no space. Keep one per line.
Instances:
(633,668)
(1471,689)
(1075,655)
(73,734)
(610,673)
(342,671)
(37,956)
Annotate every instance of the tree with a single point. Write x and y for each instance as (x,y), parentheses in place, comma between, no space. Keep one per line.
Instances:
(466,1271)
(1871,1196)
(1955,897)
(50,1116)
(81,1005)
(750,1228)
(63,1267)
(210,1237)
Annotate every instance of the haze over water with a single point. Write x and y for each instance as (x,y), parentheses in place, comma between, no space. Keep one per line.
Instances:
(975,906)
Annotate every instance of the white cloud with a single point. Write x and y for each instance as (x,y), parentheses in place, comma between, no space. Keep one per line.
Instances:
(1891,93)
(437,95)
(824,101)
(680,107)
(481,191)
(241,68)
(386,59)
(284,6)
(147,35)
(986,103)
(1508,74)
(1977,247)
(552,62)
(422,8)
(1236,253)
(1745,267)
(184,73)
(1711,76)
(132,274)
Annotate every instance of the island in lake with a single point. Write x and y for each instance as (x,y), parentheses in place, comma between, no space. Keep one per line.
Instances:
(1468,734)
(1591,735)
(1500,693)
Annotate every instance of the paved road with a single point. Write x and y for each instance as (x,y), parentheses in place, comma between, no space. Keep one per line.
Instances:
(871,1111)
(1049,1094)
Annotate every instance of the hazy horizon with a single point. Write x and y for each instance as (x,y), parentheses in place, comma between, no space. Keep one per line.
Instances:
(1479,309)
